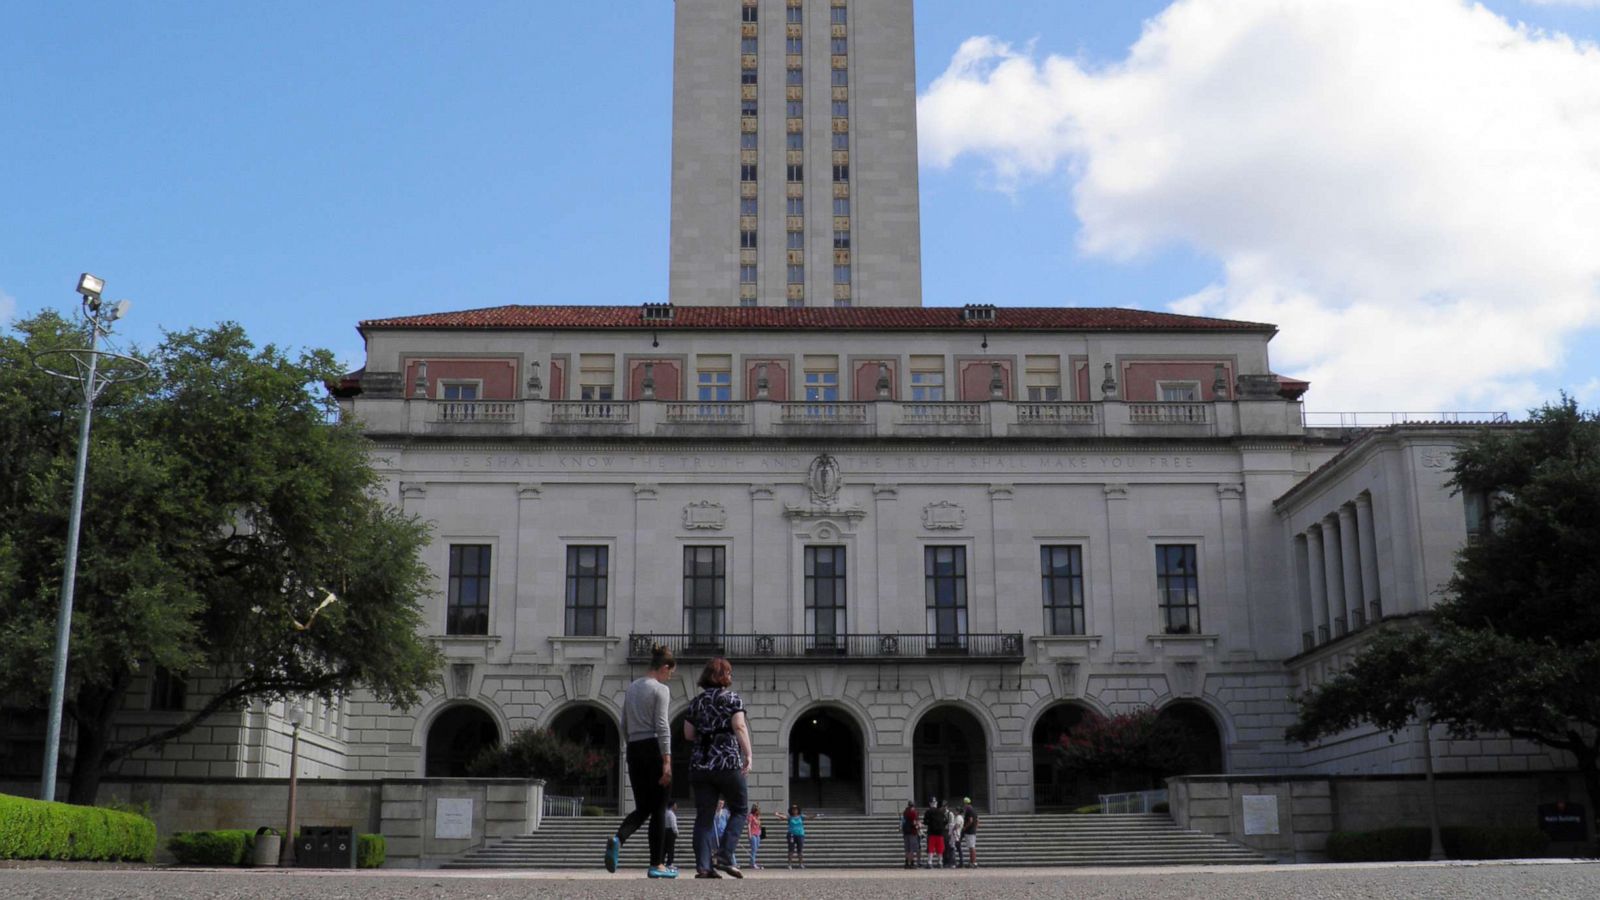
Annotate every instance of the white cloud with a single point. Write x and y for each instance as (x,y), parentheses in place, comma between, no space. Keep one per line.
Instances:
(8,307)
(1411,190)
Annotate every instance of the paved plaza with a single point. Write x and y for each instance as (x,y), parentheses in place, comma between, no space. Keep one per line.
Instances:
(1349,882)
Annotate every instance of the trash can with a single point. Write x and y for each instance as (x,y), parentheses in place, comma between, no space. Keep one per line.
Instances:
(269,846)
(325,848)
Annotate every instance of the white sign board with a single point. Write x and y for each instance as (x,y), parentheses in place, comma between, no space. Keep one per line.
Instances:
(453,819)
(1260,814)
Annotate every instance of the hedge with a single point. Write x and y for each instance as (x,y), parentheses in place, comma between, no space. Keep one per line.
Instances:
(237,848)
(35,829)
(1414,843)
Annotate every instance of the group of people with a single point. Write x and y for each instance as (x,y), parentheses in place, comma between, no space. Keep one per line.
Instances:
(719,770)
(949,837)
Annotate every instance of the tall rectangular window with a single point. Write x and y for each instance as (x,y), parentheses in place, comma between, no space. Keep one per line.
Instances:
(588,579)
(596,376)
(467,600)
(1178,588)
(944,571)
(704,594)
(1061,568)
(169,691)
(796,206)
(825,597)
(927,379)
(822,379)
(1043,375)
(714,380)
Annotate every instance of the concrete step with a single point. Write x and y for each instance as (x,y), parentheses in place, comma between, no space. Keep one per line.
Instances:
(875,842)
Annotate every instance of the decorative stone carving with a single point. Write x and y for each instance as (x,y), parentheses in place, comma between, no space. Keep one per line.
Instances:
(1067,673)
(1109,385)
(582,679)
(1230,491)
(705,515)
(528,492)
(943,516)
(647,389)
(1116,491)
(763,387)
(460,679)
(997,383)
(535,386)
(1186,679)
(1002,491)
(761,492)
(422,380)
(1219,382)
(644,492)
(824,480)
(413,490)
(883,381)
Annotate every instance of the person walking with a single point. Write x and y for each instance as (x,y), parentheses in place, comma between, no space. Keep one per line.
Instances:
(935,818)
(718,768)
(952,831)
(908,830)
(797,837)
(649,757)
(669,853)
(753,829)
(969,832)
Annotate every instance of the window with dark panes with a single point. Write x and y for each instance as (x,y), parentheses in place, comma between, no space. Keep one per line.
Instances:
(169,691)
(704,593)
(1178,588)
(825,595)
(945,576)
(588,577)
(1062,570)
(467,603)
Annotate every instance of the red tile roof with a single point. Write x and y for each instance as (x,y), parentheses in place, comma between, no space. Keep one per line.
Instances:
(768,318)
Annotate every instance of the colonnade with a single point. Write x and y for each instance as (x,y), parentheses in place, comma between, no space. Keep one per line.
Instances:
(1336,565)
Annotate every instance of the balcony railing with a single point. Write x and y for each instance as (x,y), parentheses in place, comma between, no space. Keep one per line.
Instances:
(1169,413)
(1383,419)
(591,412)
(877,648)
(498,412)
(707,413)
(942,413)
(820,413)
(1055,414)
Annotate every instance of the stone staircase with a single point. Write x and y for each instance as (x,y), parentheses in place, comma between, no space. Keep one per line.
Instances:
(859,842)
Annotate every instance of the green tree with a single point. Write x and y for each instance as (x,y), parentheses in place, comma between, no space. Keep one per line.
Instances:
(222,506)
(1134,749)
(1514,646)
(541,753)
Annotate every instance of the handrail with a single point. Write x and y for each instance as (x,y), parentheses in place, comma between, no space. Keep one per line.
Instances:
(1169,413)
(816,412)
(591,411)
(1377,419)
(470,411)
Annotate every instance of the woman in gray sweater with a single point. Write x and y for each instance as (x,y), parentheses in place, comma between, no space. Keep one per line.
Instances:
(644,716)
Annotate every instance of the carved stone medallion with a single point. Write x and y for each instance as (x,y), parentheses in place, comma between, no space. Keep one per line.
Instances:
(706,515)
(943,516)
(824,480)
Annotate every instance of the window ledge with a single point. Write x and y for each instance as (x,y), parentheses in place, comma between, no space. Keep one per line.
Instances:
(465,646)
(1065,646)
(1208,641)
(583,648)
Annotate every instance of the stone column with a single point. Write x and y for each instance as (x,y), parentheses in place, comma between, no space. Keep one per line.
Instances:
(1321,622)
(1367,540)
(1009,553)
(1333,568)
(1350,555)
(770,573)
(1128,631)
(524,599)
(884,607)
(1235,625)
(1302,588)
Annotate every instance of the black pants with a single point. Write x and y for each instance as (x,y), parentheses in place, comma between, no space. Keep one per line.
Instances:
(649,797)
(670,849)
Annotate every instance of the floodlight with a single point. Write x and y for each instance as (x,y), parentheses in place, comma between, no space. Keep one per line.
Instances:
(119,309)
(90,286)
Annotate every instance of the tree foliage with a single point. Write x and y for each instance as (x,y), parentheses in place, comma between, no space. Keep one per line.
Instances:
(1136,748)
(1514,646)
(221,507)
(541,753)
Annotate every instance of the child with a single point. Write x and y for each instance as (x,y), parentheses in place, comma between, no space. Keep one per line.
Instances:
(797,837)
(754,831)
(671,841)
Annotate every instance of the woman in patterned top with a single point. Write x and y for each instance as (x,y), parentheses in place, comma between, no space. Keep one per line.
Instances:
(718,765)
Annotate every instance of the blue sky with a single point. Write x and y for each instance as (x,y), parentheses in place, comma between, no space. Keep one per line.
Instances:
(298,167)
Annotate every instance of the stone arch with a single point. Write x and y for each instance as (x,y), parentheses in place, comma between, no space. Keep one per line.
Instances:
(952,753)
(827,750)
(456,734)
(430,711)
(1208,729)
(1053,789)
(593,725)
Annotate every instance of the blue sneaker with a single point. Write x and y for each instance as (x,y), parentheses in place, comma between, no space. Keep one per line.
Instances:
(613,853)
(661,872)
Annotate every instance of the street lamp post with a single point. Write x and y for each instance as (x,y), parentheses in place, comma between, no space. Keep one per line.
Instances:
(297,715)
(86,365)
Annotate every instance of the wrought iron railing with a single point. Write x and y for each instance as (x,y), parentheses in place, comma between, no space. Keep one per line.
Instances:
(562,807)
(1055,413)
(834,648)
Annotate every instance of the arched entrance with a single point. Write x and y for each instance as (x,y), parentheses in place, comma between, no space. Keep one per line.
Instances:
(950,757)
(1053,788)
(1202,736)
(455,739)
(593,728)
(827,763)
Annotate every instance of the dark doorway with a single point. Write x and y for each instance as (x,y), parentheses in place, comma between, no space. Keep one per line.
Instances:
(826,763)
(593,728)
(950,758)
(1054,789)
(456,738)
(1202,736)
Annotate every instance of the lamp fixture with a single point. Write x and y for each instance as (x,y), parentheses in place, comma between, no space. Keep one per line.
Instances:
(91,287)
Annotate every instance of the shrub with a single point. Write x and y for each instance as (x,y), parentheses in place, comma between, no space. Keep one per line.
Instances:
(35,829)
(1412,843)
(1090,810)
(541,753)
(212,848)
(371,850)
(593,811)
(1162,807)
